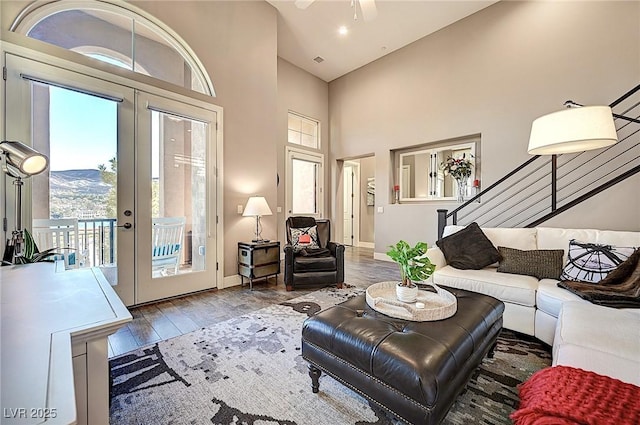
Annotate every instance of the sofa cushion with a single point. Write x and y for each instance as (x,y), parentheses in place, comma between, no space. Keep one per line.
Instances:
(518,238)
(553,238)
(543,264)
(600,339)
(468,248)
(506,287)
(590,262)
(550,297)
(304,238)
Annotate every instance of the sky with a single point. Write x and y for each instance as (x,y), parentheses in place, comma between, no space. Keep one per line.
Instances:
(83,130)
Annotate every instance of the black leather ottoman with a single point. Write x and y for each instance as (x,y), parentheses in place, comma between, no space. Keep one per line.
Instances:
(414,370)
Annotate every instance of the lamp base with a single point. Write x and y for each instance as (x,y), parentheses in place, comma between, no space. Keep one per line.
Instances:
(260,240)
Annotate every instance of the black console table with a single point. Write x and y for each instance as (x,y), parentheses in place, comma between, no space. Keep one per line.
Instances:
(257,260)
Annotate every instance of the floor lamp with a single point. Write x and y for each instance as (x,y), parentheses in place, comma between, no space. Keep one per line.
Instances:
(20,162)
(575,129)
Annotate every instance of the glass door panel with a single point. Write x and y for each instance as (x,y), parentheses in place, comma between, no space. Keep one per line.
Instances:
(85,126)
(304,183)
(176,250)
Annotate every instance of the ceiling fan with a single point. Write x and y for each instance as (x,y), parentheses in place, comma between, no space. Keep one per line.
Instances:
(367,7)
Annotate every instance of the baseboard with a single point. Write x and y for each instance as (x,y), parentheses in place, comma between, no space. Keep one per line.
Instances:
(229,281)
(381,256)
(371,245)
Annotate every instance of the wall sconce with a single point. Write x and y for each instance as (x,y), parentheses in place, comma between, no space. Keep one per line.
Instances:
(257,207)
(21,161)
(575,129)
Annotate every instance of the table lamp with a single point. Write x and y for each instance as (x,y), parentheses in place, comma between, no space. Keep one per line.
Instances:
(257,207)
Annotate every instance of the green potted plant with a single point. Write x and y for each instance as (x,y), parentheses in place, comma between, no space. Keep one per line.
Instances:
(414,266)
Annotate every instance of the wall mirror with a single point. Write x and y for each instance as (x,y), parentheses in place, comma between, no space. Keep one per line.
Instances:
(421,177)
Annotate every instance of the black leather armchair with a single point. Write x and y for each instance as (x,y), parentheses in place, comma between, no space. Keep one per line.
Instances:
(313,267)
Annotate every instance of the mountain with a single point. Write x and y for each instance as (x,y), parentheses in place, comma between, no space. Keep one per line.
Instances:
(78,182)
(78,193)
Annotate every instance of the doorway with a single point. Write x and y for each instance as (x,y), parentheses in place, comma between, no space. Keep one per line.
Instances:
(358,212)
(351,210)
(124,163)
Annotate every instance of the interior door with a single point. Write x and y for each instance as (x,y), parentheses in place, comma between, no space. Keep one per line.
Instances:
(86,127)
(176,198)
(304,182)
(348,205)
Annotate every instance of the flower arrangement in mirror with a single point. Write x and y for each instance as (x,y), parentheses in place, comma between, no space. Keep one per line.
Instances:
(458,168)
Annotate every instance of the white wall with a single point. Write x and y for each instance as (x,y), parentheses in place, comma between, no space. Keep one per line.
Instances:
(490,74)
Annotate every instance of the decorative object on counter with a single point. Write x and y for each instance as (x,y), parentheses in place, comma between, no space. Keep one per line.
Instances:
(257,207)
(396,194)
(459,169)
(414,266)
(21,161)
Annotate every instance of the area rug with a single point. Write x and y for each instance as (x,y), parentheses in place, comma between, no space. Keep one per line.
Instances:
(249,370)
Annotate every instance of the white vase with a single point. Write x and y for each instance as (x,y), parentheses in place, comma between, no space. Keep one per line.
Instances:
(462,189)
(406,294)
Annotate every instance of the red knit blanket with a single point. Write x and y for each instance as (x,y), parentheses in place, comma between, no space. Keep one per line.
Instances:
(562,395)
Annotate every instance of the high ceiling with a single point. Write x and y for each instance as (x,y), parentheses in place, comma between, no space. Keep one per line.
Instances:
(304,34)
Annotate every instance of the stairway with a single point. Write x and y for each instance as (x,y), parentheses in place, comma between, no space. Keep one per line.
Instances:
(545,186)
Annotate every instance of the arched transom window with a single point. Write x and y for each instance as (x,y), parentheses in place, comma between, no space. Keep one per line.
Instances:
(119,34)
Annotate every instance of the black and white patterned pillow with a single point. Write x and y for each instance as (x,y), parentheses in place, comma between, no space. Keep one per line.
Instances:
(590,262)
(304,238)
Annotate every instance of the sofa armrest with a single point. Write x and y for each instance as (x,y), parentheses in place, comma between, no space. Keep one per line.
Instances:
(436,256)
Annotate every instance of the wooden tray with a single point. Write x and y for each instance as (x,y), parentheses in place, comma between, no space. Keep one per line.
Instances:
(437,305)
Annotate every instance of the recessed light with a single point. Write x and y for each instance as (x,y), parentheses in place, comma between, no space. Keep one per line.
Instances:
(343,30)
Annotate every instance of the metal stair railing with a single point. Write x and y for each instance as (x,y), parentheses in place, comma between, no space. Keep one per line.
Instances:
(545,186)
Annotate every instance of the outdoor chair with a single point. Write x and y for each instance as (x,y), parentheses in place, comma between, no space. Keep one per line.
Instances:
(168,235)
(61,234)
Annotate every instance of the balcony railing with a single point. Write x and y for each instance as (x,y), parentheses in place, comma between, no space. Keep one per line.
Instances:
(97,241)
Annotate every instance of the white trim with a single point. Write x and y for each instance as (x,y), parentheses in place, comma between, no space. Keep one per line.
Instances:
(229,281)
(355,167)
(382,256)
(370,245)
(292,153)
(39,10)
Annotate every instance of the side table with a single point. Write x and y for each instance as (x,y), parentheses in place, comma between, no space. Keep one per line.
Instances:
(257,260)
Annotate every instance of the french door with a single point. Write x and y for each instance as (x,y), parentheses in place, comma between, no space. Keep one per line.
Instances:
(176,190)
(124,164)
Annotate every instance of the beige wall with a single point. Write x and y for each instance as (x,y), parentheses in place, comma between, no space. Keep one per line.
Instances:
(367,212)
(301,92)
(490,74)
(237,43)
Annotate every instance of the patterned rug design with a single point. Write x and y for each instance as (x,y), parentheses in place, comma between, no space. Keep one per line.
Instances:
(248,370)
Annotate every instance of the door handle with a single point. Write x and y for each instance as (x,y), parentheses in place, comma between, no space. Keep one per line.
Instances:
(126,225)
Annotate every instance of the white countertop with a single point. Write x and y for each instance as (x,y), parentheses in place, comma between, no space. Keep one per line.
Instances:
(41,311)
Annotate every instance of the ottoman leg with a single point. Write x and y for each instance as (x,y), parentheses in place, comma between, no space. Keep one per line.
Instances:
(314,373)
(492,350)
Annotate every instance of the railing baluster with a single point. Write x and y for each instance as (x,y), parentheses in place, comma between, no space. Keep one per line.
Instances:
(554,182)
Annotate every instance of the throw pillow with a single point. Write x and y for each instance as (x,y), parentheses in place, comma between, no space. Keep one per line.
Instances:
(540,263)
(304,238)
(590,262)
(468,248)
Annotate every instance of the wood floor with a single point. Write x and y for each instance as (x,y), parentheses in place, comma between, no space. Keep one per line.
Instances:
(171,318)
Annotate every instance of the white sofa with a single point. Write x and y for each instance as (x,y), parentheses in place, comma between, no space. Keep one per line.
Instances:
(533,306)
